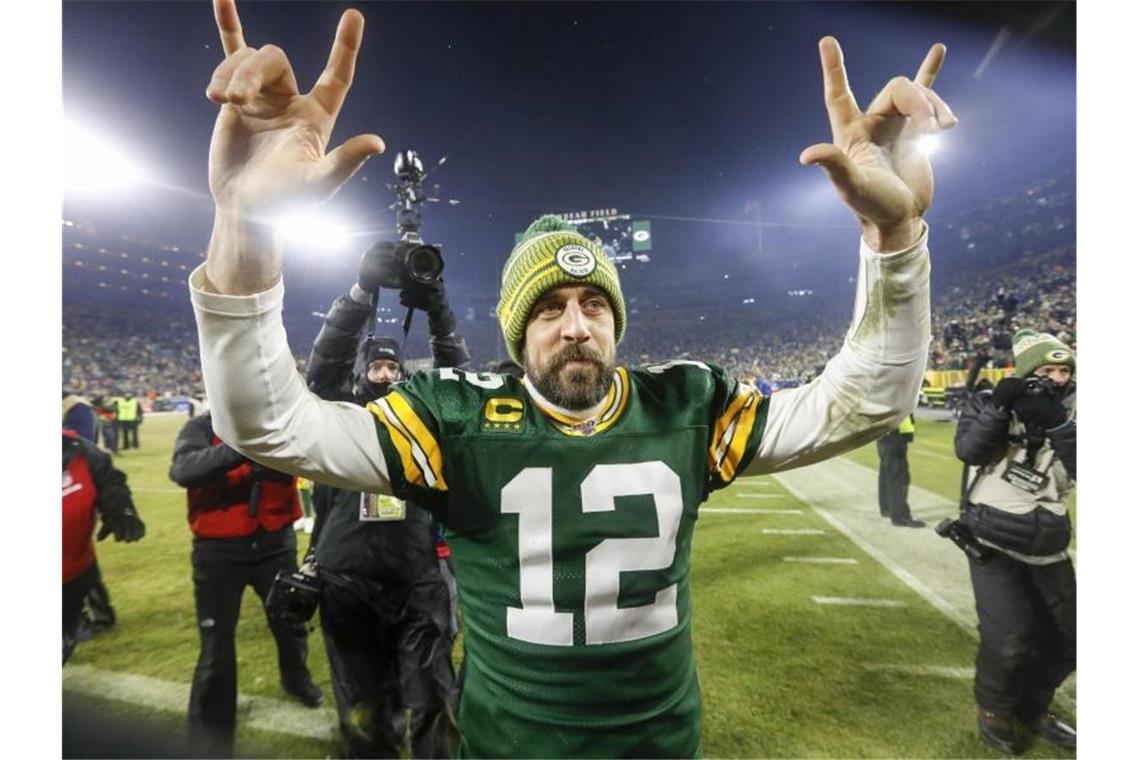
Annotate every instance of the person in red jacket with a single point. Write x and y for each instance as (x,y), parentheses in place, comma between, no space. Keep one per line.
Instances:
(90,484)
(241,515)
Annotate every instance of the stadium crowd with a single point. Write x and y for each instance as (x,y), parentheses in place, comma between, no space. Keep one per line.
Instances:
(102,353)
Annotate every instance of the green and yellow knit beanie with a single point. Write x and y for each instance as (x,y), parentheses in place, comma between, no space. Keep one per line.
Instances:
(1032,349)
(550,254)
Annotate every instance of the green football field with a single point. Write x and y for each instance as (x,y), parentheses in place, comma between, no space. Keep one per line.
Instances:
(820,630)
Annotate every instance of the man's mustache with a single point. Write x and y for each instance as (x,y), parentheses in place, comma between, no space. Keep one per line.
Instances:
(576,352)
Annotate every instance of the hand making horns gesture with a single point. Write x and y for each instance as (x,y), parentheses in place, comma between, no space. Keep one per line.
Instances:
(267,152)
(873,158)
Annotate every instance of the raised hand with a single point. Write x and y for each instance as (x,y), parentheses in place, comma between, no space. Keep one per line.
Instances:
(873,158)
(267,153)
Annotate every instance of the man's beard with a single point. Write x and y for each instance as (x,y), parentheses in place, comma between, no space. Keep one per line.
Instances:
(578,389)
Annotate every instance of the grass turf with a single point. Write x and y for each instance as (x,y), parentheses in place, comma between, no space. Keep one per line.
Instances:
(781,676)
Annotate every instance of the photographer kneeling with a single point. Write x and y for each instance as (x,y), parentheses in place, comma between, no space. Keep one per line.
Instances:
(1020,443)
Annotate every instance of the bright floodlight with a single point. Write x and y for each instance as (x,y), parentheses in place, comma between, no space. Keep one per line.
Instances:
(929,144)
(312,229)
(94,164)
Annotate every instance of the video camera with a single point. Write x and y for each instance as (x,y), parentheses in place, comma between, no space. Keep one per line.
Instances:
(294,596)
(963,537)
(409,260)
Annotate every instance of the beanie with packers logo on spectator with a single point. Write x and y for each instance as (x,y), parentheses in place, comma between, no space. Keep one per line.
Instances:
(1032,349)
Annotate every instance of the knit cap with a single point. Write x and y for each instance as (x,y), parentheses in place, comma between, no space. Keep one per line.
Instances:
(550,254)
(1032,349)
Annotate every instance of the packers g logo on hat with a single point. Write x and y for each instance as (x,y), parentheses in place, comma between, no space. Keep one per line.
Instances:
(575,260)
(1058,355)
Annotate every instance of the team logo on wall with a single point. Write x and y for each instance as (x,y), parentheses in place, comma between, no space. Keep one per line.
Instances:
(575,260)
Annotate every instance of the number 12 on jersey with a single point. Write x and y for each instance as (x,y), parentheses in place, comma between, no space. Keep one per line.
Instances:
(530,495)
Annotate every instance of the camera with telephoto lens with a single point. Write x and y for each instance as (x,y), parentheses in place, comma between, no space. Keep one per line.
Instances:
(408,261)
(1036,386)
(963,537)
(293,597)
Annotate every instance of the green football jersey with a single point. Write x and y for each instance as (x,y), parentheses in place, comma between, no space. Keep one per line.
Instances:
(571,548)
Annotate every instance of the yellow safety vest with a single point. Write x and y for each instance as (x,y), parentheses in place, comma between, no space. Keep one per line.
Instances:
(128,409)
(907,425)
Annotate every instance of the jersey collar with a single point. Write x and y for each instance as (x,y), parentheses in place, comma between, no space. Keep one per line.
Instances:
(592,421)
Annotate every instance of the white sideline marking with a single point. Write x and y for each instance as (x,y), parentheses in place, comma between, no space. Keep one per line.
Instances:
(735,511)
(747,495)
(852,602)
(918,586)
(941,671)
(824,560)
(795,531)
(264,713)
(157,490)
(852,487)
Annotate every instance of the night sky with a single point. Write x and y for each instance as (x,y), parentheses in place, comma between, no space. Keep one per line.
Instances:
(690,115)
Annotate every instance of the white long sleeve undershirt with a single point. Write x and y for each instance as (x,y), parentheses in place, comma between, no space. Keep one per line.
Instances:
(262,407)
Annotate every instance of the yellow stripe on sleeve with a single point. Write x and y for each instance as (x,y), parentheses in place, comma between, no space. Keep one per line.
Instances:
(731,433)
(740,437)
(419,451)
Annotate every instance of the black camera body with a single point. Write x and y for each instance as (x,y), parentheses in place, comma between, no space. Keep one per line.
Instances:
(408,262)
(293,597)
(963,538)
(1038,386)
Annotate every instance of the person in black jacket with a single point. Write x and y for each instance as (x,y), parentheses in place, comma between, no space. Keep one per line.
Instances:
(1020,444)
(386,610)
(91,485)
(242,517)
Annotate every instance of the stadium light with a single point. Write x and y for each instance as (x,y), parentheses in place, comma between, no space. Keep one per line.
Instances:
(94,164)
(313,229)
(929,144)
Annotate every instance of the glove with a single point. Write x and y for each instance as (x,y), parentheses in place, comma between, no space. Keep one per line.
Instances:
(379,267)
(431,298)
(1041,409)
(428,297)
(1008,391)
(126,526)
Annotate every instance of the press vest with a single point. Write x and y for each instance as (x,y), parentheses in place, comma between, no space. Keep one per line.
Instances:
(222,509)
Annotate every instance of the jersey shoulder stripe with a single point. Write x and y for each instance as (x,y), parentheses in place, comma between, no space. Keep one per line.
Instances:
(418,449)
(733,432)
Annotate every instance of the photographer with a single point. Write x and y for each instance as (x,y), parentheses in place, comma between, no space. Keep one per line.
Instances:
(242,517)
(91,485)
(386,610)
(1020,445)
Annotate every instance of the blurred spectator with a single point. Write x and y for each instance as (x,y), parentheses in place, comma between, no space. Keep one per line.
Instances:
(91,485)
(79,416)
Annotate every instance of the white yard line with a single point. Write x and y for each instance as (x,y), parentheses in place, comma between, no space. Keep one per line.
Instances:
(157,490)
(844,601)
(747,495)
(824,560)
(845,494)
(263,713)
(855,490)
(735,511)
(795,531)
(933,454)
(941,671)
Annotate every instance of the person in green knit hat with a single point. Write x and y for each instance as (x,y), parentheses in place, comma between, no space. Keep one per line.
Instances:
(1020,447)
(569,496)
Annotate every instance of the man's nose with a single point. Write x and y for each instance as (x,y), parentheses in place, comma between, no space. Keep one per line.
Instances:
(574,326)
